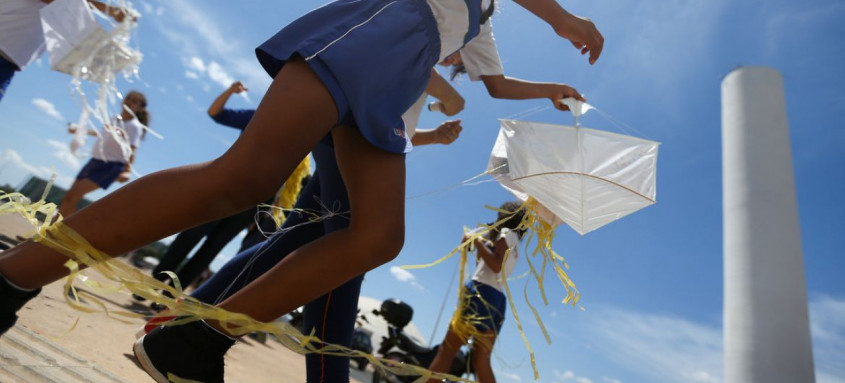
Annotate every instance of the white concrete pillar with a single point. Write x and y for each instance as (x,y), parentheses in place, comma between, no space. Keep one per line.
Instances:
(767,332)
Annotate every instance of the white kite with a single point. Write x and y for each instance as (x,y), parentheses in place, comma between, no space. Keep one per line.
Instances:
(78,45)
(582,177)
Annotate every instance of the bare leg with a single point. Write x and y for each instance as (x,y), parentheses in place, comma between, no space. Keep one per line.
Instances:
(71,199)
(481,350)
(375,180)
(295,114)
(445,354)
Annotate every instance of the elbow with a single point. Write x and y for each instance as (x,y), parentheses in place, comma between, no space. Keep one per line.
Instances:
(494,90)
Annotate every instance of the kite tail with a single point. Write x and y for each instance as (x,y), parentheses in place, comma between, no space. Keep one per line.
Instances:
(127,279)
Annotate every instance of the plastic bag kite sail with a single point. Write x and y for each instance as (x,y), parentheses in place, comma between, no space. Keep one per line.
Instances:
(78,45)
(582,177)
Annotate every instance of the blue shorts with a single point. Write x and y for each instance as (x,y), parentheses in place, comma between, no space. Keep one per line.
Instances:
(488,306)
(7,71)
(103,173)
(375,58)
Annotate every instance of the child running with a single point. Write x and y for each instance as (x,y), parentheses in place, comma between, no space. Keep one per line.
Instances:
(112,154)
(332,316)
(485,304)
(324,86)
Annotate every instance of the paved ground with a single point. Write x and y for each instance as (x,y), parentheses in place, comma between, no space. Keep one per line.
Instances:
(54,343)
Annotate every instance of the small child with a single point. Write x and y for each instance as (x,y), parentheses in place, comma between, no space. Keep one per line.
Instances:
(112,154)
(485,307)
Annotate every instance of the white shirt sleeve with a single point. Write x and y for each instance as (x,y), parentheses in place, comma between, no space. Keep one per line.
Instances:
(481,56)
(510,236)
(133,132)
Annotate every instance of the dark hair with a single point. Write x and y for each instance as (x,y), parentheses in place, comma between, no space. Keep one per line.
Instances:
(513,212)
(142,115)
(456,71)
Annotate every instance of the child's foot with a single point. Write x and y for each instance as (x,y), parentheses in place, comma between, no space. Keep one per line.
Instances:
(152,324)
(12,298)
(192,351)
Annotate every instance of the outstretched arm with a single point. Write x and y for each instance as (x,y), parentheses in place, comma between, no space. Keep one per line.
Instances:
(220,102)
(451,102)
(500,86)
(578,30)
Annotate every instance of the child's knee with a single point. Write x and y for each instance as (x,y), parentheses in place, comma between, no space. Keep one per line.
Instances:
(383,242)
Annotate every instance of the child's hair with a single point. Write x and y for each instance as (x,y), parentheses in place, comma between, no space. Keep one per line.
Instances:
(513,212)
(456,71)
(143,115)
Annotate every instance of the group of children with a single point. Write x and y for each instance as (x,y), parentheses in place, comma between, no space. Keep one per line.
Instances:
(358,122)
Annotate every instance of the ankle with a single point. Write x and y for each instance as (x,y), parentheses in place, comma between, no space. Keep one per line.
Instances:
(24,290)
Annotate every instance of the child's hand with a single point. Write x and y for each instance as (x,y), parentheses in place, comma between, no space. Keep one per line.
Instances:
(447,132)
(237,87)
(583,34)
(124,176)
(564,91)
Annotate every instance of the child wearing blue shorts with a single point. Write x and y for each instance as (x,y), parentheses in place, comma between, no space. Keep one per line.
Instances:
(486,304)
(112,154)
(324,85)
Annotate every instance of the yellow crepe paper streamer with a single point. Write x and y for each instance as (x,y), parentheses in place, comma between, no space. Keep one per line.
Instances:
(286,197)
(63,239)
(536,228)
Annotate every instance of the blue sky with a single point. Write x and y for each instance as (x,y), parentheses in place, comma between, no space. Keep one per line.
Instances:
(651,283)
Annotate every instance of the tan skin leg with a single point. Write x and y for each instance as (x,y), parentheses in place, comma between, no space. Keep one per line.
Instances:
(446,354)
(482,348)
(77,191)
(375,181)
(295,114)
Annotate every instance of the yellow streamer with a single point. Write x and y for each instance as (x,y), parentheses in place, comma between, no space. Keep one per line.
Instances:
(463,319)
(82,254)
(287,195)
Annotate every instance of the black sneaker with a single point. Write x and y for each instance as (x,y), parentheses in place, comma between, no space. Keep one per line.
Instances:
(193,351)
(11,300)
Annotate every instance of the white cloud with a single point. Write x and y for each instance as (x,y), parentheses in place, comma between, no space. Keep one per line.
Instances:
(61,151)
(196,34)
(664,348)
(508,375)
(48,108)
(12,157)
(569,375)
(827,326)
(403,275)
(219,75)
(610,380)
(189,98)
(191,75)
(670,349)
(196,64)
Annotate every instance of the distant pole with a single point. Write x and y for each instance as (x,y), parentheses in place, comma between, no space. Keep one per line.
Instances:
(767,331)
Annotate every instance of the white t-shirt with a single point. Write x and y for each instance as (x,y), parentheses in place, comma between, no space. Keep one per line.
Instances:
(412,116)
(21,37)
(452,18)
(486,275)
(115,142)
(481,56)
